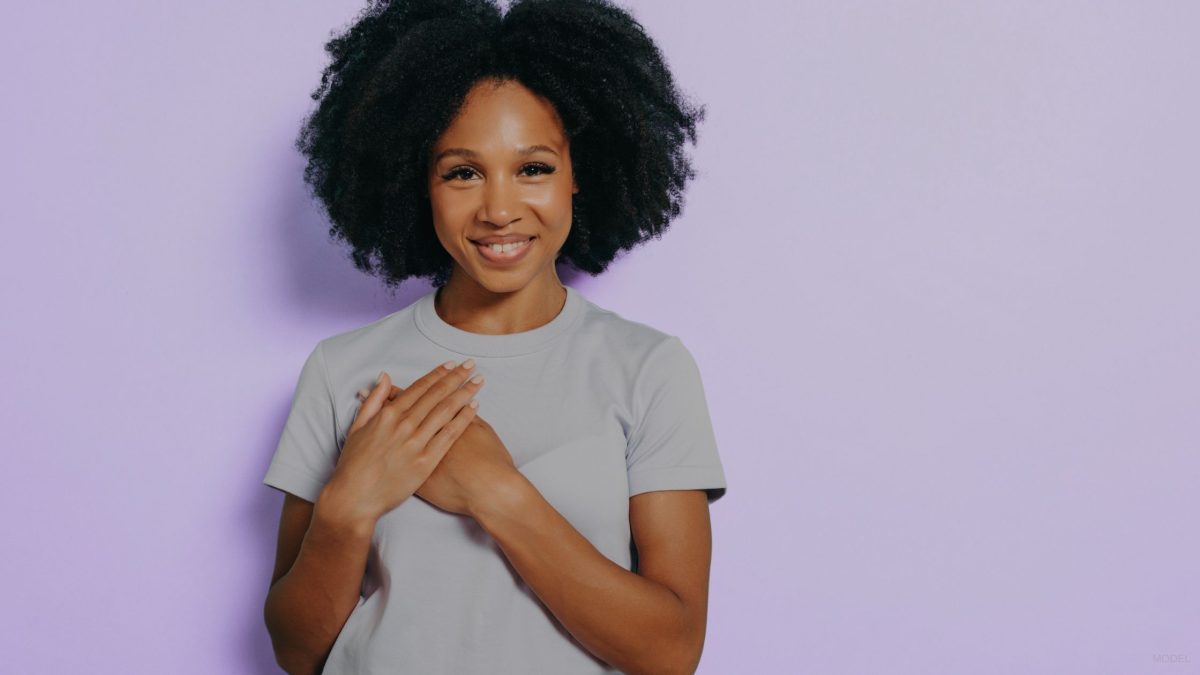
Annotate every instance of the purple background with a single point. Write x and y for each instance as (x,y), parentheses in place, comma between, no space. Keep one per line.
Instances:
(939,270)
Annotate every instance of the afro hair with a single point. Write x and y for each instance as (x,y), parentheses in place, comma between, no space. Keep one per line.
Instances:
(399,74)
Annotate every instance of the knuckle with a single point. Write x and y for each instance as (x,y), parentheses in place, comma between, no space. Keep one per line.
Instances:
(405,427)
(449,384)
(446,408)
(454,402)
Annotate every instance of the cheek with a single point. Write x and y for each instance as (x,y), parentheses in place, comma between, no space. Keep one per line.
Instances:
(554,209)
(451,218)
(449,208)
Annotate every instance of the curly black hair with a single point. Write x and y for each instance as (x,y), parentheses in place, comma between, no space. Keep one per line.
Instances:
(401,71)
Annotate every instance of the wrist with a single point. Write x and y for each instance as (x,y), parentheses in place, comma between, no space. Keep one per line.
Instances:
(502,497)
(335,508)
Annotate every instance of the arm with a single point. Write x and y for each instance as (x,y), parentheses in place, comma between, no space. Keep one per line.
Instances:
(652,621)
(311,598)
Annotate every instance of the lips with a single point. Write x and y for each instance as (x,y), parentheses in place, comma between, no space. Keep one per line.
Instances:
(501,258)
(506,239)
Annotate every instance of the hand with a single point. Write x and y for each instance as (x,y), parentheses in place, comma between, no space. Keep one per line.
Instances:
(397,438)
(476,462)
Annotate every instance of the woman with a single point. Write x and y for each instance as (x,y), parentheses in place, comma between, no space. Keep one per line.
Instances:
(563,470)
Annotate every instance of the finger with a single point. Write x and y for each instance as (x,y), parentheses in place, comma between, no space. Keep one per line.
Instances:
(413,392)
(364,393)
(373,402)
(442,402)
(443,440)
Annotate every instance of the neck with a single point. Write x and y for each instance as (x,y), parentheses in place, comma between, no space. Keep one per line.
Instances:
(467,305)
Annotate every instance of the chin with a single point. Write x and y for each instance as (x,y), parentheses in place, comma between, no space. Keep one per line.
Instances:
(502,281)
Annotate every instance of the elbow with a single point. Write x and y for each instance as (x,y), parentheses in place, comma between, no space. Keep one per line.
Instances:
(687,655)
(296,662)
(688,660)
(682,657)
(293,665)
(288,657)
(678,664)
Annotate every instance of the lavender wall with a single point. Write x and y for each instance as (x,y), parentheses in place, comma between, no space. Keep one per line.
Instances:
(939,271)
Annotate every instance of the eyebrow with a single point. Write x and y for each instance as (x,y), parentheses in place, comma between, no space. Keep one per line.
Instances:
(471,154)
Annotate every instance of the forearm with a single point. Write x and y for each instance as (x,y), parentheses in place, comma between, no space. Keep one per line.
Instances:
(630,622)
(307,608)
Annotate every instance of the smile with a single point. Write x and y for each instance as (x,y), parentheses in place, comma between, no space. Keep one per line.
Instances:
(506,253)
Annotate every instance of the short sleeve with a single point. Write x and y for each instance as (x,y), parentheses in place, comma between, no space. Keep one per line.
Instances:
(672,445)
(307,451)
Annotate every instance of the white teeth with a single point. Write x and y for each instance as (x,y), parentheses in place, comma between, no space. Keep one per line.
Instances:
(507,248)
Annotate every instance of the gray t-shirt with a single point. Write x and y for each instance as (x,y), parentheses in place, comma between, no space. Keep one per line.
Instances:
(594,409)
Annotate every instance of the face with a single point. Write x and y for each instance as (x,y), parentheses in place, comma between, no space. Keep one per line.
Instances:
(502,170)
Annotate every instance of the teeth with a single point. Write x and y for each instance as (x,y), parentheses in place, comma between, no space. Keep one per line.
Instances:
(507,248)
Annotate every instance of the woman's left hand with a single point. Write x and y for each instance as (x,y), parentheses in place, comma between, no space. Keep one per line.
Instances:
(475,464)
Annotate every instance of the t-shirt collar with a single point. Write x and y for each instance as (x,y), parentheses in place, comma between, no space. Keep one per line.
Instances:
(477,344)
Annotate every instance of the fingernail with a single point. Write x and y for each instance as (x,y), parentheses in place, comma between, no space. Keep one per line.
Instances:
(363,393)
(380,378)
(468,364)
(477,379)
(449,365)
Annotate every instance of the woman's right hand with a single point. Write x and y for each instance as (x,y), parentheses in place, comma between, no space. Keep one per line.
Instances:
(398,437)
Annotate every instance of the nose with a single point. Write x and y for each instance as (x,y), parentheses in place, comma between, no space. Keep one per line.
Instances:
(500,203)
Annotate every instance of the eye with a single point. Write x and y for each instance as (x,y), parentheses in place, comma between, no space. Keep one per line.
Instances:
(457,171)
(538,167)
(528,170)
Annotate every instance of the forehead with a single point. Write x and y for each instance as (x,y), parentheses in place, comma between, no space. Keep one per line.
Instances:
(503,117)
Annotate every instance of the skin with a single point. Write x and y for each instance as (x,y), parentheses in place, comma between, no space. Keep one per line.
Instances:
(495,189)
(652,621)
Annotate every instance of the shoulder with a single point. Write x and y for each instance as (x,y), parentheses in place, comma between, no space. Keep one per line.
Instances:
(653,363)
(627,338)
(372,338)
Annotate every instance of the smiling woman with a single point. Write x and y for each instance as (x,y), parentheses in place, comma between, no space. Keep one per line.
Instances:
(399,78)
(555,520)
(504,158)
